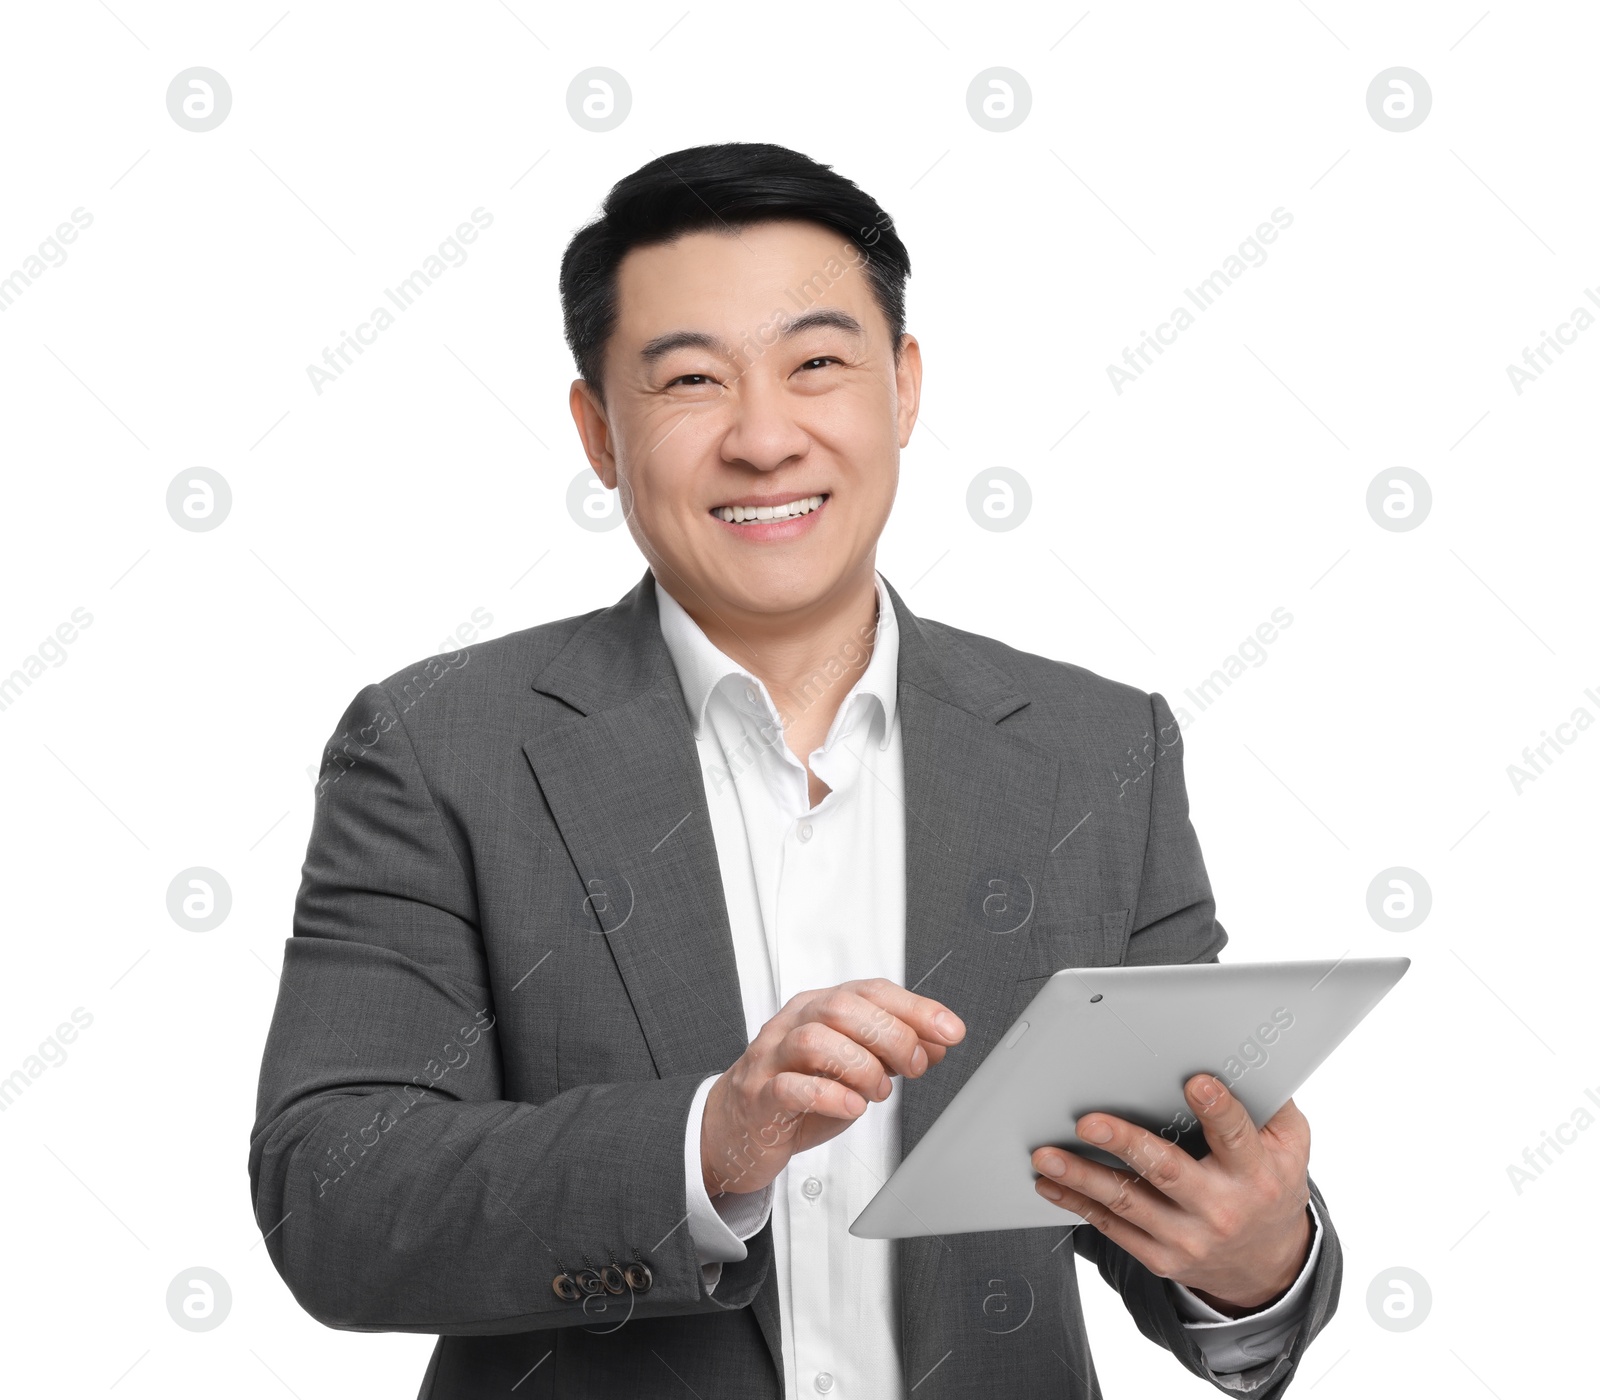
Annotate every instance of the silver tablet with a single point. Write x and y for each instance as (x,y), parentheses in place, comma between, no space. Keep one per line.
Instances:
(1119,1040)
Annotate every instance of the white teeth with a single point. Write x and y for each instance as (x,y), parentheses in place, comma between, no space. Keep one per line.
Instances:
(735,515)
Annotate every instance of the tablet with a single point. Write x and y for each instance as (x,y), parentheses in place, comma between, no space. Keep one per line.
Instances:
(1118,1040)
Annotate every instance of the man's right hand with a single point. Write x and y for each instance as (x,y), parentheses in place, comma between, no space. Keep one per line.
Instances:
(811,1072)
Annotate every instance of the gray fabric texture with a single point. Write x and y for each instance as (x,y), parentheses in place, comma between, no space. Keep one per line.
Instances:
(511,967)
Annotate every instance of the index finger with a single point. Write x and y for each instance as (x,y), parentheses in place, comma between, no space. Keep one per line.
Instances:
(932,1020)
(1225,1121)
(901,1046)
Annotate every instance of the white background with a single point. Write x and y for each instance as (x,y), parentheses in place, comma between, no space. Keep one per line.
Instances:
(430,480)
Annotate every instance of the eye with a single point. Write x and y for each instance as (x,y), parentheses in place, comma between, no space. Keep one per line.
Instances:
(694,381)
(821,360)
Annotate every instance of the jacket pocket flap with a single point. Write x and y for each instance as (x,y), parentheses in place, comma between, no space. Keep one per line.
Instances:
(1094,940)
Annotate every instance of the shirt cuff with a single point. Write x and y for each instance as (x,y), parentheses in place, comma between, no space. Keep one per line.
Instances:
(719,1227)
(1234,1344)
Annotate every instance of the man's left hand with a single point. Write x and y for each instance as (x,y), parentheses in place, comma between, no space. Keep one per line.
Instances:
(1233,1226)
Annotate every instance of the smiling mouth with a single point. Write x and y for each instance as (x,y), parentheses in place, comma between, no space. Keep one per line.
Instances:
(754,514)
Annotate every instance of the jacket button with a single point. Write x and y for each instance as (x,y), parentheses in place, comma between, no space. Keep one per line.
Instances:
(565,1288)
(611,1277)
(589,1282)
(638,1276)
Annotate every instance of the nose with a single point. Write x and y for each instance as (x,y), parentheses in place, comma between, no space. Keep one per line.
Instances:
(764,434)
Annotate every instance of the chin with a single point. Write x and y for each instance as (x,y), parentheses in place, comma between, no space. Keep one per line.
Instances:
(779,586)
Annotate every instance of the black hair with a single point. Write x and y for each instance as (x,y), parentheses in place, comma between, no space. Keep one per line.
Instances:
(723,187)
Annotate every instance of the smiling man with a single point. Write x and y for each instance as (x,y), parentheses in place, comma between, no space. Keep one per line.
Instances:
(633,951)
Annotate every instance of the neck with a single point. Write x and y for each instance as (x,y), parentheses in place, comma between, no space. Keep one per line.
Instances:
(808,659)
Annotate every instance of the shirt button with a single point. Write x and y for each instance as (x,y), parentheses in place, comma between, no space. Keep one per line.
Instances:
(752,695)
(812,1187)
(823,1382)
(805,831)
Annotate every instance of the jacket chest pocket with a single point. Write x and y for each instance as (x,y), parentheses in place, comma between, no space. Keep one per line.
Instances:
(1093,940)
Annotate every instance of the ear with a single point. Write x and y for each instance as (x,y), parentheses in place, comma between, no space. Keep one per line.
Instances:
(908,386)
(594,430)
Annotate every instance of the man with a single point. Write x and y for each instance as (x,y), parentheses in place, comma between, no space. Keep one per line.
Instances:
(634,950)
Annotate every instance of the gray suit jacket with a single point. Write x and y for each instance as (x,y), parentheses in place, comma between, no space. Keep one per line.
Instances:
(511,967)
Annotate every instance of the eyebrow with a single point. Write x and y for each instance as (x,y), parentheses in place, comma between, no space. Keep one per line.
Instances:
(664,345)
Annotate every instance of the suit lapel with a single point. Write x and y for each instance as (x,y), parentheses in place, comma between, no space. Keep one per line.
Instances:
(979,806)
(626,793)
(623,783)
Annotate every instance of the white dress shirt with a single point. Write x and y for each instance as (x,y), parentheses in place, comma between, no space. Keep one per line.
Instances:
(815,897)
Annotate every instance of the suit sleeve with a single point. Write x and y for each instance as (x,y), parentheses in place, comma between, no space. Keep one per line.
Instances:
(1174,921)
(399,1189)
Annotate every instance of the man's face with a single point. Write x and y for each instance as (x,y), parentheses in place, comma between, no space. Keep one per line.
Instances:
(751,375)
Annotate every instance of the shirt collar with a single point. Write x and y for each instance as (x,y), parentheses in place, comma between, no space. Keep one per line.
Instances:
(702,668)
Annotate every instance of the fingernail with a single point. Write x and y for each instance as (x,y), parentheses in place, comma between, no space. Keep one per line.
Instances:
(885,1088)
(919,1060)
(1047,1189)
(1096,1131)
(1207,1090)
(854,1103)
(1052,1164)
(947,1025)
